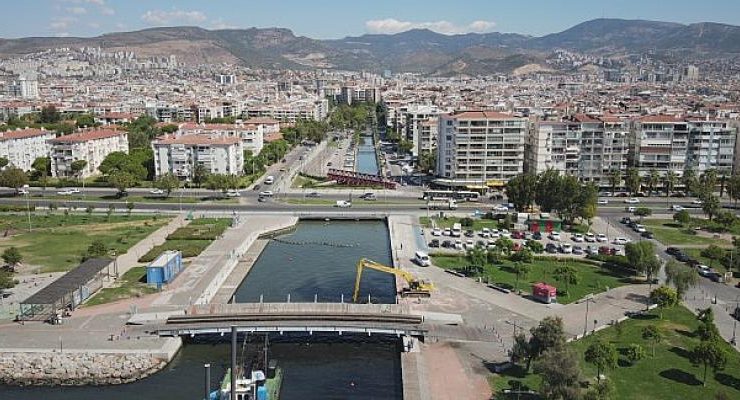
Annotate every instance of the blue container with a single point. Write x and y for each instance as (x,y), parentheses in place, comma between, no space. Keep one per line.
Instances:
(164,268)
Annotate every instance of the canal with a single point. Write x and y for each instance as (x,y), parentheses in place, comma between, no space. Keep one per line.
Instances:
(367,159)
(316,260)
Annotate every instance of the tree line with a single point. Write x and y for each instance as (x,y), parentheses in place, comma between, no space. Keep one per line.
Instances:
(553,192)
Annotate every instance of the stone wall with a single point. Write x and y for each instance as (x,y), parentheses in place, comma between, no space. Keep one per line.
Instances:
(75,369)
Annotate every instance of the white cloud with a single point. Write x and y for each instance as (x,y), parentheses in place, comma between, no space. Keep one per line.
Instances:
(392,25)
(61,23)
(77,10)
(161,17)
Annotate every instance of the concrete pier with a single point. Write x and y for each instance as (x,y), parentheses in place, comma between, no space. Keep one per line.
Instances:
(232,282)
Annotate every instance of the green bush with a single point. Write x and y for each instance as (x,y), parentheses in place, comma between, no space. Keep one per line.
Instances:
(466,222)
(535,246)
(201,229)
(15,208)
(189,248)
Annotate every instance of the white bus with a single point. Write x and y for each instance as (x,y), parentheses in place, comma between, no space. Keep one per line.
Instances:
(459,195)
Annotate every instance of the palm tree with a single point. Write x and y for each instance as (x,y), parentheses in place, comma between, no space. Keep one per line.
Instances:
(615,178)
(689,179)
(669,182)
(652,181)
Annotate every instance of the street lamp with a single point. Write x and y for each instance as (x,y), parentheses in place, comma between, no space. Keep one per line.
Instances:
(115,263)
(28,206)
(587,299)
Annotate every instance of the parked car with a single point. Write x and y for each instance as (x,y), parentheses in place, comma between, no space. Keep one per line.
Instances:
(639,228)
(578,250)
(517,235)
(434,243)
(589,237)
(551,248)
(647,235)
(469,233)
(603,202)
(565,248)
(703,270)
(632,200)
(590,250)
(446,244)
(436,232)
(601,238)
(447,232)
(625,220)
(537,236)
(233,193)
(314,194)
(555,236)
(577,238)
(621,241)
(682,257)
(673,250)
(606,250)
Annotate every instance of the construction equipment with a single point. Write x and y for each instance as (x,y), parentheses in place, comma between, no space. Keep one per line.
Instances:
(417,288)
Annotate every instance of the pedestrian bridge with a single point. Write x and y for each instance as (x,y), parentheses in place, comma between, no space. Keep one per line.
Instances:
(385,319)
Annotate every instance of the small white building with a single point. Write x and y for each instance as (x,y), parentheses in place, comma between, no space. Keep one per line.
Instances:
(91,145)
(180,154)
(22,146)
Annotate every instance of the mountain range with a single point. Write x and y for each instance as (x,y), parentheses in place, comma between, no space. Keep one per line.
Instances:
(417,50)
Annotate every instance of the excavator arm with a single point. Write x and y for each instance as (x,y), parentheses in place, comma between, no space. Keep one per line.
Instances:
(407,276)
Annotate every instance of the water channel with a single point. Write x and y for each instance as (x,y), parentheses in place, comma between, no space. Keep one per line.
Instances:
(318,258)
(367,159)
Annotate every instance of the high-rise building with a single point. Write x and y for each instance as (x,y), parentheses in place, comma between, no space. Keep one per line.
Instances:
(480,148)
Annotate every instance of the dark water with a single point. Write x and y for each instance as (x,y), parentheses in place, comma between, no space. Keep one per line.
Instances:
(318,267)
(316,367)
(367,161)
(338,370)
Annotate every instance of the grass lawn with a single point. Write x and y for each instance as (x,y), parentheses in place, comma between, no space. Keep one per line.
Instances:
(667,375)
(58,242)
(192,239)
(670,234)
(478,223)
(695,253)
(174,198)
(591,279)
(131,284)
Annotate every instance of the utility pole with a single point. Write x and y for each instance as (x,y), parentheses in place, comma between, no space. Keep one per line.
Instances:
(588,299)
(233,362)
(207,381)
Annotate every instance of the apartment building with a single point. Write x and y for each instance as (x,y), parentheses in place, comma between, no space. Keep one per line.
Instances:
(90,145)
(711,145)
(251,135)
(479,148)
(22,146)
(180,154)
(425,136)
(659,143)
(417,127)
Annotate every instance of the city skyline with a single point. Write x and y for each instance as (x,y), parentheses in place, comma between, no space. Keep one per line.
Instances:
(330,20)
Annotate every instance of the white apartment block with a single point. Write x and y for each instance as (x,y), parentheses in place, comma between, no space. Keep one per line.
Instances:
(711,145)
(251,135)
(660,143)
(414,117)
(180,154)
(91,145)
(479,148)
(425,136)
(291,112)
(586,147)
(22,146)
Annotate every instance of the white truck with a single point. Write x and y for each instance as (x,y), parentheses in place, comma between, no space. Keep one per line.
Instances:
(442,204)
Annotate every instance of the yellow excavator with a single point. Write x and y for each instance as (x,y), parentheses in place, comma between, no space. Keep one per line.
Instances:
(417,288)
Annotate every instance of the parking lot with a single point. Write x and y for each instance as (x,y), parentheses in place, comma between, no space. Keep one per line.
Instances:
(449,241)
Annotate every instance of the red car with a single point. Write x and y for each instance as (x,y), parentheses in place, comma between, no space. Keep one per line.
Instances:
(517,235)
(606,250)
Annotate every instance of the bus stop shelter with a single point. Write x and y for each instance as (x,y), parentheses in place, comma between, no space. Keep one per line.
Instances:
(65,293)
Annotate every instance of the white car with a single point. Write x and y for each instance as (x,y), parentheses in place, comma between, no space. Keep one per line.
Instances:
(555,236)
(156,191)
(343,204)
(458,245)
(630,209)
(676,207)
(632,200)
(447,232)
(577,238)
(697,202)
(505,233)
(703,270)
(566,248)
(436,232)
(22,192)
(266,193)
(621,241)
(601,238)
(602,202)
(501,208)
(590,237)
(233,193)
(66,192)
(640,228)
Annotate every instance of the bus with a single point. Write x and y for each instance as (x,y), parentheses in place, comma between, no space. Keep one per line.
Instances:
(459,195)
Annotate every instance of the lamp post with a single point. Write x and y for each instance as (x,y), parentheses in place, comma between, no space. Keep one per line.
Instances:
(588,299)
(115,263)
(28,206)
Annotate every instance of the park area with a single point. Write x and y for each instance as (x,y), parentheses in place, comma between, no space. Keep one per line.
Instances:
(59,240)
(671,233)
(192,239)
(668,374)
(589,278)
(131,284)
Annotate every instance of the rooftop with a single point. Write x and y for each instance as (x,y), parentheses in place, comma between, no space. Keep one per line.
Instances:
(23,133)
(85,136)
(69,282)
(195,139)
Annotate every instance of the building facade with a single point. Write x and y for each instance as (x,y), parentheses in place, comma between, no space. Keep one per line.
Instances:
(179,155)
(251,135)
(92,146)
(480,148)
(22,146)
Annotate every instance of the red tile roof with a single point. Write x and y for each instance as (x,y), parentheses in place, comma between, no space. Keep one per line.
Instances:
(87,136)
(23,133)
(661,119)
(493,115)
(196,139)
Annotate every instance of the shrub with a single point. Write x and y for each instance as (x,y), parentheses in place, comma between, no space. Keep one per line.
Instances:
(535,246)
(189,248)
(466,222)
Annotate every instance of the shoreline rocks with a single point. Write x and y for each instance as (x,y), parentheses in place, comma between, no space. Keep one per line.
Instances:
(76,369)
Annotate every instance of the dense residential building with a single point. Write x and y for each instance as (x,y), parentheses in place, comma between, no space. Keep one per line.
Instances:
(417,127)
(181,154)
(22,146)
(251,135)
(583,146)
(89,145)
(425,137)
(480,148)
(711,145)
(659,143)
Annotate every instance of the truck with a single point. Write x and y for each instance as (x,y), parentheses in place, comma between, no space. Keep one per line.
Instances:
(442,204)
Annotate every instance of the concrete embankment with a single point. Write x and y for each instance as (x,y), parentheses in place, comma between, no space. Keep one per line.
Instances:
(75,369)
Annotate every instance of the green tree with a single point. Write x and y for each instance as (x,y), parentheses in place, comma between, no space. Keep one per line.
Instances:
(615,179)
(131,164)
(652,180)
(670,180)
(428,161)
(567,274)
(733,188)
(689,180)
(520,270)
(521,191)
(681,276)
(3,162)
(13,177)
(642,257)
(97,249)
(535,246)
(632,180)
(130,207)
(635,353)
(85,120)
(602,355)
(710,205)
(200,175)
(560,373)
(709,354)
(167,183)
(42,166)
(49,115)
(12,256)
(664,297)
(218,182)
(602,390)
(643,212)
(651,334)
(682,217)
(707,330)
(548,334)
(522,256)
(121,180)
(89,210)
(548,185)
(77,167)
(476,256)
(504,246)
(726,219)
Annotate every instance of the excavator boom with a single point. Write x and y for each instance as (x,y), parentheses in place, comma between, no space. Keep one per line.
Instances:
(416,286)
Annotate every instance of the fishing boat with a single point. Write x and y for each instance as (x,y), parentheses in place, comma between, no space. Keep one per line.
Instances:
(256,378)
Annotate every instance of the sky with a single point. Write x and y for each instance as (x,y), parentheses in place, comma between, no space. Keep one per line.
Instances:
(331,19)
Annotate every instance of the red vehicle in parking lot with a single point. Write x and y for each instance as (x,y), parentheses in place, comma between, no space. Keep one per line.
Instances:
(517,235)
(606,250)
